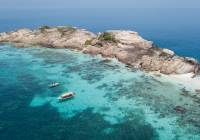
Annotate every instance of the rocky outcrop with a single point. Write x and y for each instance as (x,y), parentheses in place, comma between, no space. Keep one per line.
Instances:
(127,46)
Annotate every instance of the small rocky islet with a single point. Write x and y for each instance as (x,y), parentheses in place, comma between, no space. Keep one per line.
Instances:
(126,46)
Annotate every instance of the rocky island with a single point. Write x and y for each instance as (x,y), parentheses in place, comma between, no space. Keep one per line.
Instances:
(126,46)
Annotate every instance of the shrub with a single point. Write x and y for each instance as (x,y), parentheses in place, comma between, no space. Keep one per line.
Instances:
(43,28)
(106,36)
(88,42)
(64,29)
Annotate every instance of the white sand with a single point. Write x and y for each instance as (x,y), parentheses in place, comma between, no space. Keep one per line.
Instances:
(186,80)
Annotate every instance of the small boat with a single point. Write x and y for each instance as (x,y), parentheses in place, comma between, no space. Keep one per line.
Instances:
(54,85)
(65,96)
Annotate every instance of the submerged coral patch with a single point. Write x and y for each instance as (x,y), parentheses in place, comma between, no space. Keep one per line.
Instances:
(111,101)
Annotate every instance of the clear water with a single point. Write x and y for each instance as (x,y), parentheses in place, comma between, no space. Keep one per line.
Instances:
(112,102)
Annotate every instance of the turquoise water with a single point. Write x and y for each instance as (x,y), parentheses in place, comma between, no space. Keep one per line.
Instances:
(112,102)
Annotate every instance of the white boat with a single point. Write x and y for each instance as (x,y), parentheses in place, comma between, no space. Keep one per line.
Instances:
(66,95)
(54,85)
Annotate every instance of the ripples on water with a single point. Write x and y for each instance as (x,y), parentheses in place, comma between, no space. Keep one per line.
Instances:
(111,102)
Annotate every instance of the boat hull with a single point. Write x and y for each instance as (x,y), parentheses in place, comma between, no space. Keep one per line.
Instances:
(65,97)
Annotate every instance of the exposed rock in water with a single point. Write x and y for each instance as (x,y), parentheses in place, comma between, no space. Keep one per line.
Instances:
(127,46)
(180,109)
(185,92)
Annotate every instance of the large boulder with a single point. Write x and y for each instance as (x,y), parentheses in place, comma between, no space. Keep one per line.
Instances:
(130,38)
(168,52)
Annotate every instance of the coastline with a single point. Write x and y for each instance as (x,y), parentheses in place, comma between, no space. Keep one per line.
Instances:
(126,46)
(189,81)
(186,80)
(156,103)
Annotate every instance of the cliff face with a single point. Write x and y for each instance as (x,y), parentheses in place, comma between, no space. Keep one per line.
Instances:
(127,46)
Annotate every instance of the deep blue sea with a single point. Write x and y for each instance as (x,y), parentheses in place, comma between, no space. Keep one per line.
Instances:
(175,28)
(112,102)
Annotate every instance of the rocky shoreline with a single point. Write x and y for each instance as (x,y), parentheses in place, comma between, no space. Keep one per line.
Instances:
(126,46)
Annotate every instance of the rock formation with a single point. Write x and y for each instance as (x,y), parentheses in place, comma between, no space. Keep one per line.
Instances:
(127,46)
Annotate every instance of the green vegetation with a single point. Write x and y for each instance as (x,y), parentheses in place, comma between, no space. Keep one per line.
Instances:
(66,30)
(62,29)
(88,42)
(43,28)
(106,36)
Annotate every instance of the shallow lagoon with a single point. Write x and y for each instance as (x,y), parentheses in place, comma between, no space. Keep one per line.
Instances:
(111,102)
